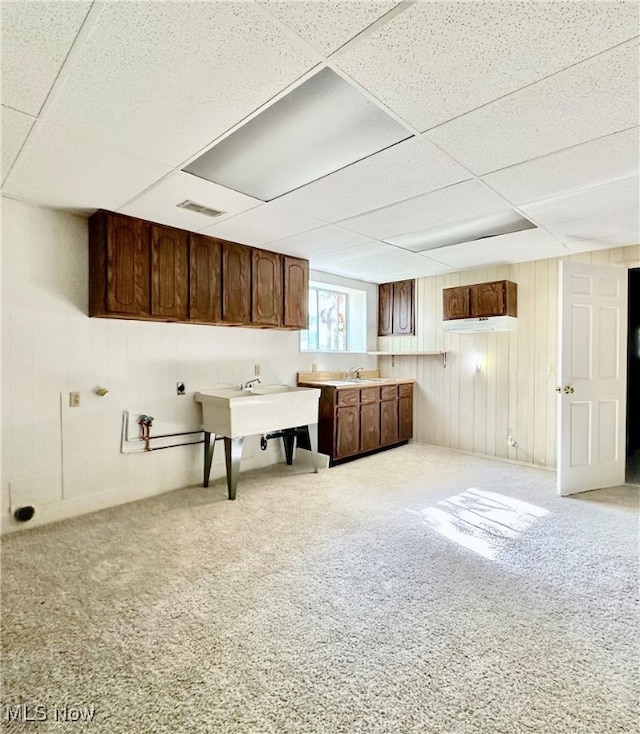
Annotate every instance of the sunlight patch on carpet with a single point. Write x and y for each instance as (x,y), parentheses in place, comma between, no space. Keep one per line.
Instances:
(484,522)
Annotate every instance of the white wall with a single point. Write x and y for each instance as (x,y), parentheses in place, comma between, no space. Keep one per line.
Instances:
(65,461)
(514,392)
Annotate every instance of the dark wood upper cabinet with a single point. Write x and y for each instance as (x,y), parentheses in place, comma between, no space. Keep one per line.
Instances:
(396,308)
(205,281)
(236,283)
(119,266)
(403,322)
(266,288)
(495,298)
(295,292)
(385,309)
(456,302)
(152,272)
(169,272)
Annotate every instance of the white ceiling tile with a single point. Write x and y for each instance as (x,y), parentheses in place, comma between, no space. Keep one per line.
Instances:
(262,225)
(159,204)
(623,224)
(63,169)
(461,201)
(15,128)
(588,101)
(369,250)
(318,242)
(36,38)
(400,172)
(601,199)
(165,79)
(534,244)
(328,25)
(377,263)
(438,60)
(600,161)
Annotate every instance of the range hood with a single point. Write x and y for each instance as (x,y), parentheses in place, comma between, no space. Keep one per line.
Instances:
(482,323)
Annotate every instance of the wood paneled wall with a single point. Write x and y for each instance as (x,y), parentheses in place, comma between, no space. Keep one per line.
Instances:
(513,392)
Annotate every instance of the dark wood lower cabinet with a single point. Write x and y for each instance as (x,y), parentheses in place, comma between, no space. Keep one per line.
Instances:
(359,420)
(388,422)
(369,426)
(405,418)
(347,431)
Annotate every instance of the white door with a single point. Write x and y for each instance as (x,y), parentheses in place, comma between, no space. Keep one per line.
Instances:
(592,373)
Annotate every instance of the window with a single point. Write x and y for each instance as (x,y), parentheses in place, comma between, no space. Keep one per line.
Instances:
(337,319)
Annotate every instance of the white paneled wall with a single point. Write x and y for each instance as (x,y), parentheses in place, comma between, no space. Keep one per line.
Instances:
(513,392)
(67,460)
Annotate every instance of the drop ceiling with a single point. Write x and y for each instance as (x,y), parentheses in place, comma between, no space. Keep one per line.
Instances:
(513,108)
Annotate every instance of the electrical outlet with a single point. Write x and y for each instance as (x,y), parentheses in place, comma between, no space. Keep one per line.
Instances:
(74,399)
(256,370)
(314,367)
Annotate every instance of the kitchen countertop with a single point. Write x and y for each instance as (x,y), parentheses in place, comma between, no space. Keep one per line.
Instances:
(363,382)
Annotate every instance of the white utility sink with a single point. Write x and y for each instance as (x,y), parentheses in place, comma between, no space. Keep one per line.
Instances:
(234,413)
(275,411)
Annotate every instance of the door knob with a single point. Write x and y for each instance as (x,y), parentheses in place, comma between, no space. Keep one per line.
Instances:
(567,390)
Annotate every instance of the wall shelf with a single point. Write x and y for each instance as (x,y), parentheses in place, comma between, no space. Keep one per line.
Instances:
(393,355)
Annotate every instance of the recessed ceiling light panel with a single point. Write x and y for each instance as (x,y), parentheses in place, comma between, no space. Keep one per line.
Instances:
(469,230)
(321,126)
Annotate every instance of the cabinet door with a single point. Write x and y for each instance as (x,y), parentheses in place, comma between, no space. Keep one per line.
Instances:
(369,426)
(205,279)
(236,283)
(169,274)
(385,309)
(455,303)
(296,292)
(266,288)
(128,266)
(403,307)
(347,431)
(488,299)
(388,422)
(405,418)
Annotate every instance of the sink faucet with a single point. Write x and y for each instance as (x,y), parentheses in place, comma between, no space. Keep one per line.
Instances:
(248,383)
(357,371)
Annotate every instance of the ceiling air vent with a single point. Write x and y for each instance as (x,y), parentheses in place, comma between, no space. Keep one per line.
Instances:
(192,206)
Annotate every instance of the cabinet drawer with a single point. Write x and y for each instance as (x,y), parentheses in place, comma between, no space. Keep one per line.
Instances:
(369,394)
(405,390)
(348,397)
(389,392)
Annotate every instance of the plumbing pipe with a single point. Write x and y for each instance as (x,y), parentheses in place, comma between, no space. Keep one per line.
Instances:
(144,424)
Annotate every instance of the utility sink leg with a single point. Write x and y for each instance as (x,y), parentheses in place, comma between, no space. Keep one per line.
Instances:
(288,439)
(313,442)
(209,445)
(232,455)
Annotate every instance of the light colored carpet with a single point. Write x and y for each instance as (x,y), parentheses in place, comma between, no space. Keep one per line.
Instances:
(415,591)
